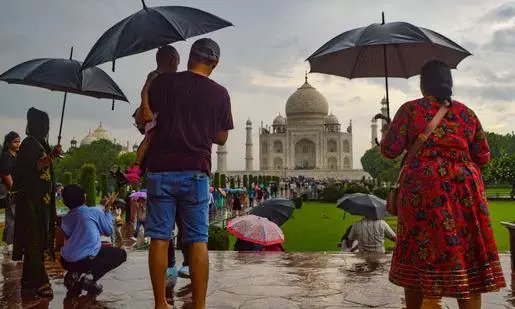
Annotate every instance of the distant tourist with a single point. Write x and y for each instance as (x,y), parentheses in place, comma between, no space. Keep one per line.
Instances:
(82,254)
(7,171)
(34,231)
(370,235)
(446,245)
(180,163)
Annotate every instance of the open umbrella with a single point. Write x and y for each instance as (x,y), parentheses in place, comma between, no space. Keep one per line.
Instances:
(366,205)
(150,28)
(64,75)
(396,49)
(277,210)
(256,230)
(138,195)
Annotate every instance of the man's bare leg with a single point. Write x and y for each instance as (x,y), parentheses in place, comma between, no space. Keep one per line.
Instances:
(157,263)
(199,272)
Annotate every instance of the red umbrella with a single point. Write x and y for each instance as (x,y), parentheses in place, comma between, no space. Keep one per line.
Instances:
(256,230)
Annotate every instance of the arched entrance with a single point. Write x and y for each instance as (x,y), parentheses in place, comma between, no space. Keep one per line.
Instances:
(305,154)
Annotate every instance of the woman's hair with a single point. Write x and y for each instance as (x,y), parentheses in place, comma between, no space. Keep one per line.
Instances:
(9,138)
(436,80)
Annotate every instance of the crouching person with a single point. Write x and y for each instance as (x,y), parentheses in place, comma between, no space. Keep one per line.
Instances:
(82,255)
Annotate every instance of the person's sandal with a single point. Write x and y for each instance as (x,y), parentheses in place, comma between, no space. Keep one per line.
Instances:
(45,291)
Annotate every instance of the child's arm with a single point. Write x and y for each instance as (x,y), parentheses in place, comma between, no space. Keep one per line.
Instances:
(145,114)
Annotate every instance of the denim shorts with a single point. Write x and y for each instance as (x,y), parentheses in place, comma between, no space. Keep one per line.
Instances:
(186,192)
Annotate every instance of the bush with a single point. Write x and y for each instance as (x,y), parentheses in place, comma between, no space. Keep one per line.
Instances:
(331,194)
(67,178)
(305,197)
(103,185)
(218,239)
(223,181)
(381,192)
(87,181)
(356,188)
(298,202)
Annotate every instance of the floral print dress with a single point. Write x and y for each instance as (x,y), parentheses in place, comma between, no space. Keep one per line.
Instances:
(445,245)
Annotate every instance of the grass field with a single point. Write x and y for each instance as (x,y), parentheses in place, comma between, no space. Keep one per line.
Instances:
(499,190)
(319,226)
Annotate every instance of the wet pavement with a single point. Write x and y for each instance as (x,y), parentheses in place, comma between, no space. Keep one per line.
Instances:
(247,281)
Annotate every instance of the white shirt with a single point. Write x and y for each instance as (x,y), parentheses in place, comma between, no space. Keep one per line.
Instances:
(370,234)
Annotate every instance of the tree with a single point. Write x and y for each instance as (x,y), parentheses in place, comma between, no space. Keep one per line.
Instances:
(87,181)
(502,170)
(67,178)
(216,180)
(102,154)
(223,181)
(379,167)
(125,160)
(103,185)
(231,183)
(245,181)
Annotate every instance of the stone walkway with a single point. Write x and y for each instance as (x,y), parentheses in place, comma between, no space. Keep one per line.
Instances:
(247,281)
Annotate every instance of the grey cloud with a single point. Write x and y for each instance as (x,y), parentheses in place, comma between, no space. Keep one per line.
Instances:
(501,13)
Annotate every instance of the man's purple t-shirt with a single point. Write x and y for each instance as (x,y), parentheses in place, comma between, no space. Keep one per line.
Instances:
(192,109)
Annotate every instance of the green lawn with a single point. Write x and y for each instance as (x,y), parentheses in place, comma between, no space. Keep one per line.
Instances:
(319,226)
(499,190)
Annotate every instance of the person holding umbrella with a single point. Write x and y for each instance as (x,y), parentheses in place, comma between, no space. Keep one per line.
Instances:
(35,204)
(446,245)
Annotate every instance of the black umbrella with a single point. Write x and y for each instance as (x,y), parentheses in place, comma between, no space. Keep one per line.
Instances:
(396,49)
(151,28)
(366,205)
(64,75)
(277,210)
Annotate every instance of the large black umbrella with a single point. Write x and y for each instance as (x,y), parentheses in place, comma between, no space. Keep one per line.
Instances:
(366,205)
(396,49)
(150,28)
(277,210)
(64,75)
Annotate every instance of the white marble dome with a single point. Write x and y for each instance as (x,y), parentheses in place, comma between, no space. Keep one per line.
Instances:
(279,121)
(306,101)
(101,133)
(331,120)
(88,139)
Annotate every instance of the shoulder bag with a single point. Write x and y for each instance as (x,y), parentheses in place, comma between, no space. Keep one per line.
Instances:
(393,198)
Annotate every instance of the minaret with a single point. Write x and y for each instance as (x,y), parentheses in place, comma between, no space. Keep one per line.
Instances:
(221,153)
(373,126)
(384,112)
(248,147)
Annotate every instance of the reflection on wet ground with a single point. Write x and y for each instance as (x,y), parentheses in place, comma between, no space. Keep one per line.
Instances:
(248,281)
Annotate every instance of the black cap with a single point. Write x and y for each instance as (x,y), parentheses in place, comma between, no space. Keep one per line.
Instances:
(207,49)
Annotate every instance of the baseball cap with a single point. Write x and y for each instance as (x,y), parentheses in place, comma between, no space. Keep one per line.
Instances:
(207,49)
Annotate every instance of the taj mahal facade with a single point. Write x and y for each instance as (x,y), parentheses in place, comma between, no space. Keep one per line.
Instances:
(308,141)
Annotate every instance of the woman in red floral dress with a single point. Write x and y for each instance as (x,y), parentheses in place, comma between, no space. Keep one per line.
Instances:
(445,245)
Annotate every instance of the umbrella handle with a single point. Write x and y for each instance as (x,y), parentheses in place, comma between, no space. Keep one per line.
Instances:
(62,117)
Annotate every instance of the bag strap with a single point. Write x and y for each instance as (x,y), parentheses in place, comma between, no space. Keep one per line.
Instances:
(422,137)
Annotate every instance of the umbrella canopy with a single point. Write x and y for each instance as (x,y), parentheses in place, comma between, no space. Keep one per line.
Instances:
(138,195)
(366,205)
(256,230)
(277,210)
(151,28)
(396,49)
(64,75)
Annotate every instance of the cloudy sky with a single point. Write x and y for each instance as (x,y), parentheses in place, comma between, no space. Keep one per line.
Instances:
(262,60)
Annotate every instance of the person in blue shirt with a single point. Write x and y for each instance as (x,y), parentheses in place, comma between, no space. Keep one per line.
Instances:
(82,255)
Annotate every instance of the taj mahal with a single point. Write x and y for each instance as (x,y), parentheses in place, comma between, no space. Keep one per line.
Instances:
(309,141)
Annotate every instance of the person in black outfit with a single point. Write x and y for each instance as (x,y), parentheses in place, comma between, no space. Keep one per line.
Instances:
(7,168)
